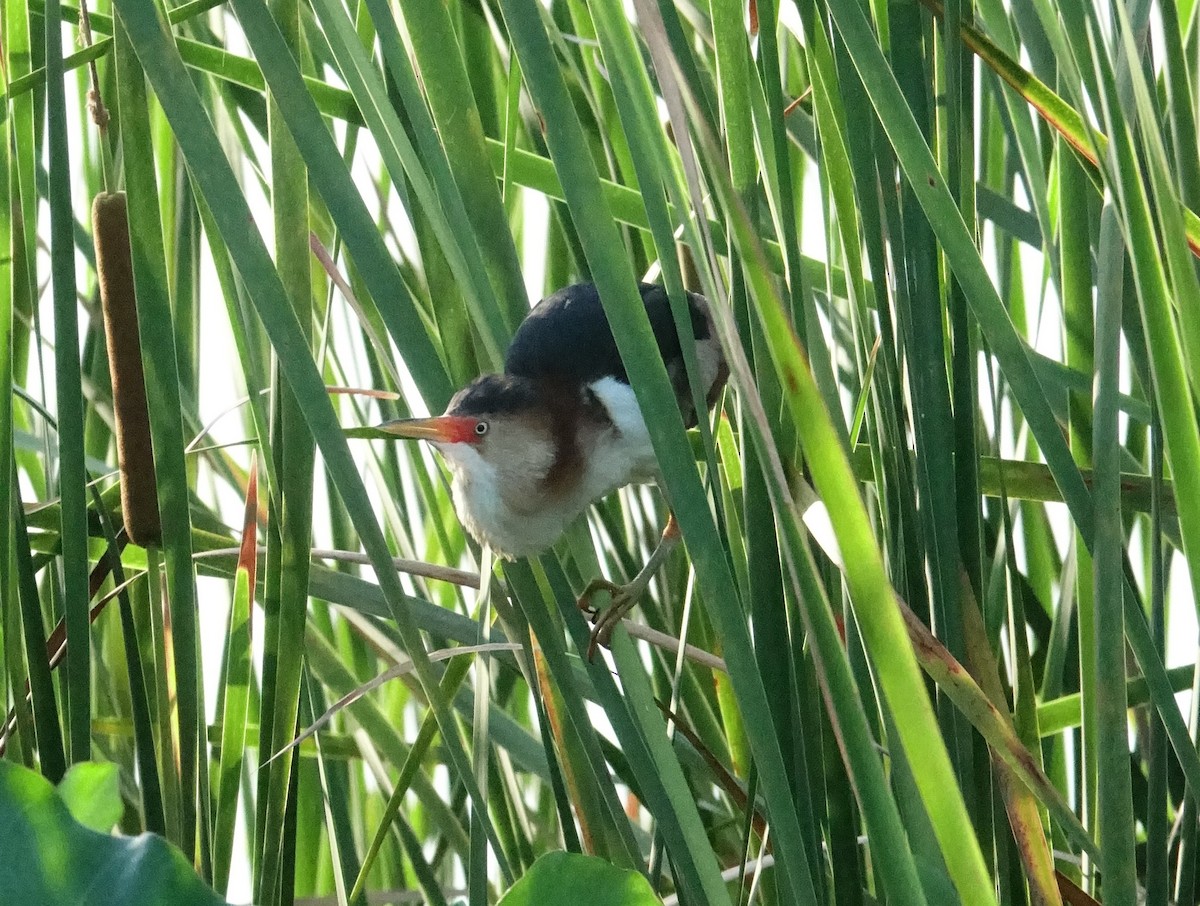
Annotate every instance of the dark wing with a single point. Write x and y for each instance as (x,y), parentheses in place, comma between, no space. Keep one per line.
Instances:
(567,337)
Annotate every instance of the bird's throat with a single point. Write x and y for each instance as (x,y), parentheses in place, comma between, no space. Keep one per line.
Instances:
(506,505)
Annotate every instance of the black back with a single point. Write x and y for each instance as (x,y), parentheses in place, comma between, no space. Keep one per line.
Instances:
(567,337)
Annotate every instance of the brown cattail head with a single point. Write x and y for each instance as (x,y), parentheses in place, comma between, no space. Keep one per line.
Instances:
(135,455)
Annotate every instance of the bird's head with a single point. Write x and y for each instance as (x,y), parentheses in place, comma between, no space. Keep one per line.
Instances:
(495,426)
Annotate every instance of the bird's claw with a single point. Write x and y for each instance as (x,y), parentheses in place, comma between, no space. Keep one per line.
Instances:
(597,585)
(603,620)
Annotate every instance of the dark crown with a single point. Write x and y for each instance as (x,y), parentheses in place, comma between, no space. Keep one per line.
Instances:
(494,394)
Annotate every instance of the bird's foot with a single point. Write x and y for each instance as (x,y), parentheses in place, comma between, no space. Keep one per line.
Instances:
(605,620)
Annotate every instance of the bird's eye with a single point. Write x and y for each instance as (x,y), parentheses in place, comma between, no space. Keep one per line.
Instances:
(481,428)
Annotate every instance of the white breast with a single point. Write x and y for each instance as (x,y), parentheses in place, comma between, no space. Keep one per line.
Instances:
(502,503)
(499,507)
(625,455)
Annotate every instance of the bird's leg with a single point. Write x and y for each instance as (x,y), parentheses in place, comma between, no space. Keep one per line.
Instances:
(624,597)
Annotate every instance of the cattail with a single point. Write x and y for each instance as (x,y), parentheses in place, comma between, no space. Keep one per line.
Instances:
(135,456)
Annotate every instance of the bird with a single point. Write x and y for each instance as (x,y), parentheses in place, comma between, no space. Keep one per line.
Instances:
(530,449)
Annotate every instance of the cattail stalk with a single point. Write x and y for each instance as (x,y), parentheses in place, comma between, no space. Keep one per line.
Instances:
(135,455)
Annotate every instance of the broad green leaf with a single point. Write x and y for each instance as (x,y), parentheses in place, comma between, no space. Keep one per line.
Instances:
(91,793)
(567,879)
(55,860)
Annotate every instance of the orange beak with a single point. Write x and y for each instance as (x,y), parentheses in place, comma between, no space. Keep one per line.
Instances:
(441,429)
